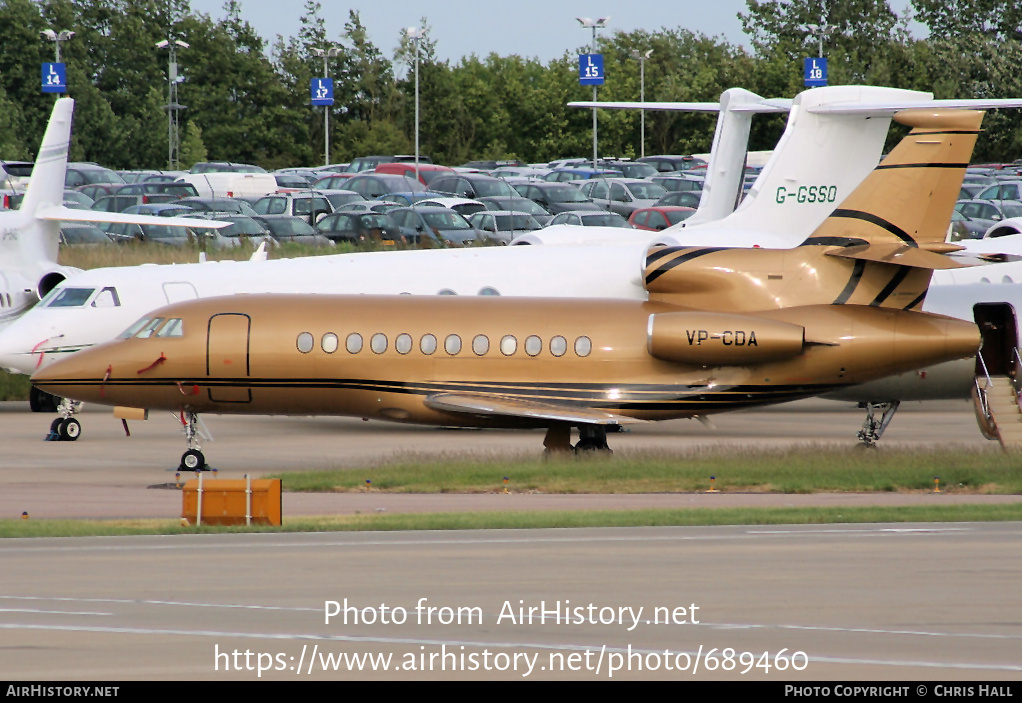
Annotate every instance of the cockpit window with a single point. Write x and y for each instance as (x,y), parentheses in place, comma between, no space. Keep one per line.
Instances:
(107,298)
(173,328)
(71,297)
(148,330)
(130,332)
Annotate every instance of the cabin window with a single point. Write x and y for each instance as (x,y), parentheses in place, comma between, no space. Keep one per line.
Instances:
(480,344)
(329,342)
(427,345)
(452,345)
(583,346)
(353,343)
(173,328)
(72,297)
(489,290)
(446,291)
(378,343)
(558,345)
(533,345)
(306,342)
(508,345)
(403,343)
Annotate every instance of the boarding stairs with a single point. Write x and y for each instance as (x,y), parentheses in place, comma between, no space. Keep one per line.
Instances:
(997,407)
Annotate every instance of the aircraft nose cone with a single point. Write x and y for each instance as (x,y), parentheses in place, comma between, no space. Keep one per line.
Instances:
(21,352)
(79,376)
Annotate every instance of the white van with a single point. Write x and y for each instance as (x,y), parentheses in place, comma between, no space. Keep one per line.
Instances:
(231,185)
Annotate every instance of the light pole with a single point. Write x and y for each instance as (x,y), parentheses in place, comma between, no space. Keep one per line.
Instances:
(820,31)
(326,54)
(415,34)
(587,23)
(56,38)
(641,58)
(173,106)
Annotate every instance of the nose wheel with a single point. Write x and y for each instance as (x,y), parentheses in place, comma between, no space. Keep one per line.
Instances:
(65,428)
(193,460)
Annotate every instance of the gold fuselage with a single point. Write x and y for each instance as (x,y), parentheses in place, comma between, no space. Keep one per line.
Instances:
(289,354)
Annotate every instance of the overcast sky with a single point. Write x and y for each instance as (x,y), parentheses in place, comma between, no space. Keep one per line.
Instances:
(529,28)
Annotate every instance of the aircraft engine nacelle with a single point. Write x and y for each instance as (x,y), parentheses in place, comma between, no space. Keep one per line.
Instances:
(52,278)
(715,339)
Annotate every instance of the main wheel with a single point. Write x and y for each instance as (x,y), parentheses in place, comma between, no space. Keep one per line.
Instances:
(69,430)
(55,426)
(193,460)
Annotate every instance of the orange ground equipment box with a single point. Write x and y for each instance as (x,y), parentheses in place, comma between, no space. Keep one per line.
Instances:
(214,501)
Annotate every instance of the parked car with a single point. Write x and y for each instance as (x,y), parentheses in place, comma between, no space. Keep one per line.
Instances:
(359,227)
(383,206)
(339,198)
(684,198)
(658,218)
(81,234)
(676,182)
(669,163)
(464,206)
(519,204)
(623,195)
(471,185)
(372,185)
(503,226)
(989,212)
(225,167)
(587,218)
(1005,190)
(427,172)
(581,173)
(630,169)
(308,204)
(234,205)
(557,197)
(80,174)
(440,225)
(293,229)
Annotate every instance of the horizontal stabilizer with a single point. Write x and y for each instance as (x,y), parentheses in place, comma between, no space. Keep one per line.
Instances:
(767,105)
(889,108)
(500,406)
(67,214)
(899,255)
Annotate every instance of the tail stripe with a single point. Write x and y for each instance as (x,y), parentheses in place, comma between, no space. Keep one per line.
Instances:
(883,167)
(891,286)
(918,301)
(689,256)
(853,282)
(879,222)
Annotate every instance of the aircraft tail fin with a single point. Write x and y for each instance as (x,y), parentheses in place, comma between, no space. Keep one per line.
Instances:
(46,187)
(909,197)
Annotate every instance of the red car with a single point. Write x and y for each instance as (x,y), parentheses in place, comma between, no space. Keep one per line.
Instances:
(658,218)
(427,172)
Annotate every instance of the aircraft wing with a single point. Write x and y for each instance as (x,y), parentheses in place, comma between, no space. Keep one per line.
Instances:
(767,105)
(72,215)
(500,406)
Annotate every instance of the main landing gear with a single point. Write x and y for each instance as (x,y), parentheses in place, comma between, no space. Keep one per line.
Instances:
(193,459)
(591,439)
(65,428)
(872,428)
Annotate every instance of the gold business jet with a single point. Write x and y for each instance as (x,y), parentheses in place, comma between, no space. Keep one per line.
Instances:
(722,329)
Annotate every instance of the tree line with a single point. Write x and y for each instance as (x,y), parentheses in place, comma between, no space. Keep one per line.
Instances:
(248,100)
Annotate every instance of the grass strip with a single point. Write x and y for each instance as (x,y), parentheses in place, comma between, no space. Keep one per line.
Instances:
(535,520)
(806,469)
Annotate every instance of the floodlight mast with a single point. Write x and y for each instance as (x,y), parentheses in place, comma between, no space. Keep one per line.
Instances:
(173,106)
(641,58)
(415,34)
(588,23)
